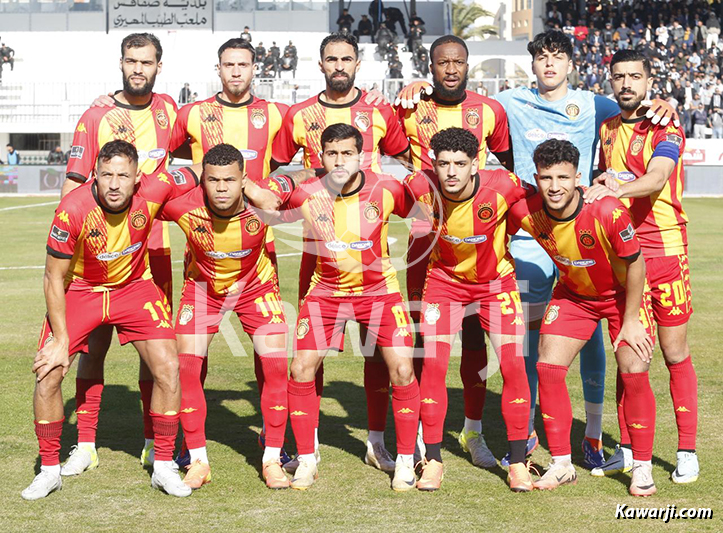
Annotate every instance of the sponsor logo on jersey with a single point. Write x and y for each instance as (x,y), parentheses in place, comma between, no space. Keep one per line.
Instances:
(76,152)
(552,313)
(475,239)
(472,118)
(535,135)
(560,136)
(572,110)
(584,263)
(178,177)
(249,155)
(161,118)
(258,118)
(485,212)
(302,329)
(138,220)
(361,245)
(452,239)
(637,145)
(132,248)
(586,238)
(253,226)
(108,256)
(371,212)
(562,260)
(628,233)
(677,140)
(432,314)
(283,183)
(186,315)
(239,254)
(361,121)
(625,176)
(336,246)
(58,234)
(156,154)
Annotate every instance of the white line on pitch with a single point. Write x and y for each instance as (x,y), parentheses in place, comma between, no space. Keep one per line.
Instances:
(29,205)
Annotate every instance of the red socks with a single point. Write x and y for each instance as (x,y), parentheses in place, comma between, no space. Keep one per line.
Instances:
(515,391)
(376,387)
(259,373)
(684,391)
(165,428)
(619,398)
(49,441)
(146,387)
(304,413)
(639,406)
(274,402)
(88,393)
(405,402)
(555,407)
(433,390)
(475,388)
(193,400)
(319,386)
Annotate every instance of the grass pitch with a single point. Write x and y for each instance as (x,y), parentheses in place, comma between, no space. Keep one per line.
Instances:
(349,495)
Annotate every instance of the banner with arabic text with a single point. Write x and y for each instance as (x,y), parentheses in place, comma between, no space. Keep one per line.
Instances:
(171,14)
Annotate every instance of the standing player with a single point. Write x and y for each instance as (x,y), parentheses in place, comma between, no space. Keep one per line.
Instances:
(342,103)
(470,273)
(451,105)
(144,119)
(644,167)
(347,210)
(602,275)
(229,269)
(97,263)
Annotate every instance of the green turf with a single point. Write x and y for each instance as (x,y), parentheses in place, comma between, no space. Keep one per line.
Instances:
(349,496)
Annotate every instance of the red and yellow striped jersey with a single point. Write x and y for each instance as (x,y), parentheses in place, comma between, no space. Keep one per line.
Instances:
(106,248)
(305,122)
(470,235)
(591,248)
(484,117)
(626,147)
(227,253)
(249,126)
(348,233)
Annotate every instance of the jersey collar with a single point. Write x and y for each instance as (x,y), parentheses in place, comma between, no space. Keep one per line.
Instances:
(130,106)
(223,102)
(449,103)
(340,106)
(355,191)
(632,120)
(580,205)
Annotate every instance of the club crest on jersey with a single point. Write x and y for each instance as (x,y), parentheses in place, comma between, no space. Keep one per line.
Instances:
(485,212)
(432,314)
(258,118)
(572,110)
(637,145)
(253,226)
(186,315)
(472,118)
(371,212)
(552,313)
(161,118)
(361,121)
(138,220)
(586,238)
(302,329)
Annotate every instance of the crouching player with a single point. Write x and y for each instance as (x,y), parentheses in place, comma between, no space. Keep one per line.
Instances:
(229,269)
(96,273)
(347,211)
(602,275)
(470,270)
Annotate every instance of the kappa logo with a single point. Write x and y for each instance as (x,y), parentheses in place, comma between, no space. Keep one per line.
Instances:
(81,128)
(429,401)
(278,408)
(405,411)
(426,120)
(552,313)
(210,118)
(63,216)
(314,127)
(186,314)
(188,410)
(162,177)
(547,417)
(617,213)
(675,311)
(382,390)
(298,413)
(544,236)
(682,409)
(94,233)
(402,332)
(518,321)
(519,400)
(164,325)
(635,425)
(200,229)
(276,320)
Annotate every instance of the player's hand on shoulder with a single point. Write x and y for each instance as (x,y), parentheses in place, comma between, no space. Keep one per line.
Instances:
(104,100)
(375,97)
(607,179)
(50,356)
(410,95)
(634,334)
(263,199)
(598,192)
(660,111)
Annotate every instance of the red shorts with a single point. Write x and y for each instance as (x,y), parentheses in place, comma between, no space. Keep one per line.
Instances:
(139,311)
(417,258)
(259,310)
(497,304)
(669,282)
(162,273)
(569,315)
(322,320)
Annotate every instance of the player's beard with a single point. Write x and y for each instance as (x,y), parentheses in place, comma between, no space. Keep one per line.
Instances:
(144,90)
(449,94)
(342,84)
(236,90)
(630,105)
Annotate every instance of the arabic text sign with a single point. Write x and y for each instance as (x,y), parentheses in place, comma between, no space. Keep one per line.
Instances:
(137,14)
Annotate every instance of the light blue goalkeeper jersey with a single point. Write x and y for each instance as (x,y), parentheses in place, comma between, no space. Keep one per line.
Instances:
(576,118)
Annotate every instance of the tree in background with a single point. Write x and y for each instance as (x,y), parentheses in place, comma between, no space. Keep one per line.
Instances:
(463,20)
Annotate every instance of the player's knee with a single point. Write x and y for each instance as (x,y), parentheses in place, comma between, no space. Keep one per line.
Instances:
(50,385)
(303,369)
(403,373)
(675,351)
(166,372)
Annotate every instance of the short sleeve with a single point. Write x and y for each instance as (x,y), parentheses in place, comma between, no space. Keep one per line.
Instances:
(668,142)
(180,128)
(499,139)
(394,142)
(282,186)
(164,186)
(65,229)
(619,227)
(81,159)
(285,147)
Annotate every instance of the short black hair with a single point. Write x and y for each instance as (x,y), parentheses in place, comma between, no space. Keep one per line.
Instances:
(555,151)
(223,155)
(139,40)
(341,132)
(444,39)
(629,56)
(115,148)
(553,41)
(455,140)
(339,38)
(237,44)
